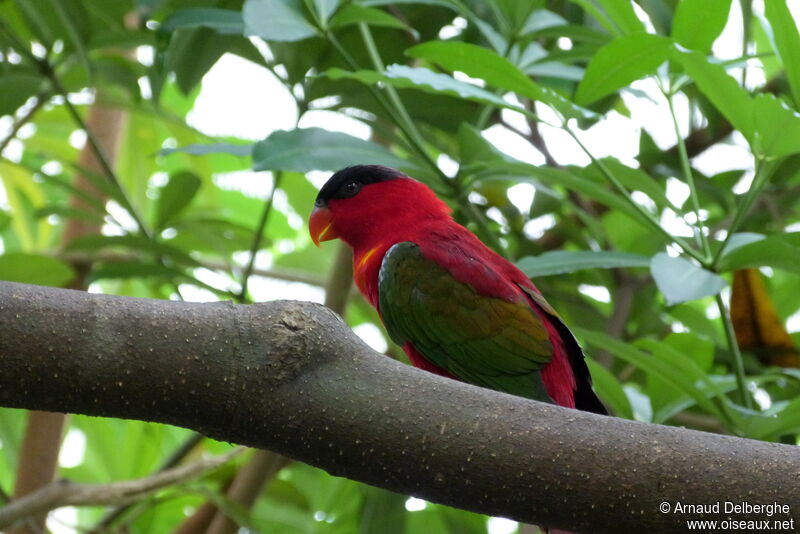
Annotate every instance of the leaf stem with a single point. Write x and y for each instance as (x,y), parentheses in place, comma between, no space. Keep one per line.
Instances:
(405,122)
(393,114)
(747,16)
(764,170)
(400,116)
(736,355)
(105,163)
(41,99)
(415,138)
(258,237)
(646,215)
(699,226)
(102,157)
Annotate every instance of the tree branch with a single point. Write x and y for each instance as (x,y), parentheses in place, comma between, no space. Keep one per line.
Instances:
(65,493)
(291,377)
(265,465)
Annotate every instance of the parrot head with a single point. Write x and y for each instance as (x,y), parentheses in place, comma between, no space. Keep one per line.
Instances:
(365,201)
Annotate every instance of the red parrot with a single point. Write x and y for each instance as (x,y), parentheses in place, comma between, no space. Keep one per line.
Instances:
(456,307)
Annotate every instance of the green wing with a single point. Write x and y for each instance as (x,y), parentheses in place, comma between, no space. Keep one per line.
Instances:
(482,340)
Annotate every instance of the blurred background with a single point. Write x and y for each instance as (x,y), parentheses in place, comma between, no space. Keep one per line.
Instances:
(640,160)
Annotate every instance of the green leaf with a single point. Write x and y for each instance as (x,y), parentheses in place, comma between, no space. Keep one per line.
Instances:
(224,21)
(681,280)
(783,419)
(125,269)
(119,71)
(666,399)
(211,148)
(426,79)
(774,251)
(698,23)
(35,269)
(556,69)
(75,22)
(355,13)
(277,20)
(235,511)
(697,322)
(131,242)
(325,8)
(545,178)
(723,91)
(777,127)
(609,390)
(69,213)
(786,41)
(5,219)
(175,196)
(540,19)
(211,235)
(480,62)
(24,195)
(423,79)
(617,16)
(133,269)
(677,370)
(474,149)
(382,511)
(635,180)
(452,4)
(621,62)
(568,261)
(623,15)
(309,149)
(128,269)
(741,239)
(193,52)
(15,89)
(12,430)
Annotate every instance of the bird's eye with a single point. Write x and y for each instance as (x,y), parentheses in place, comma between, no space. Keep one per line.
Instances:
(351,189)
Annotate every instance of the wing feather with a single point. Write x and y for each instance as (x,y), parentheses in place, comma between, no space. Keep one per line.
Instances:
(487,341)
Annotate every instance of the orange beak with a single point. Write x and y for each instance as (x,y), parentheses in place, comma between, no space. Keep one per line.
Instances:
(320,225)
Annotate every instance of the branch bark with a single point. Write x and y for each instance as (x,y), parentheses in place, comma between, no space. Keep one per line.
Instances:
(291,377)
(38,462)
(265,465)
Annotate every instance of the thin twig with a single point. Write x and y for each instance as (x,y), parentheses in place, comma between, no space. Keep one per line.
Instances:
(764,171)
(646,215)
(66,493)
(41,100)
(102,157)
(688,175)
(399,115)
(627,286)
(288,275)
(736,355)
(171,461)
(258,236)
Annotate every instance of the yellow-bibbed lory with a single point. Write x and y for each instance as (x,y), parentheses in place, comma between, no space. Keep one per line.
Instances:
(457,308)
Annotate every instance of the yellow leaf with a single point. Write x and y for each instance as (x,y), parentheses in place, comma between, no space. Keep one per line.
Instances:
(756,322)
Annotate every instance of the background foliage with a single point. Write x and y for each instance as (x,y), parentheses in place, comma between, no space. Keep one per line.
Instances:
(643,255)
